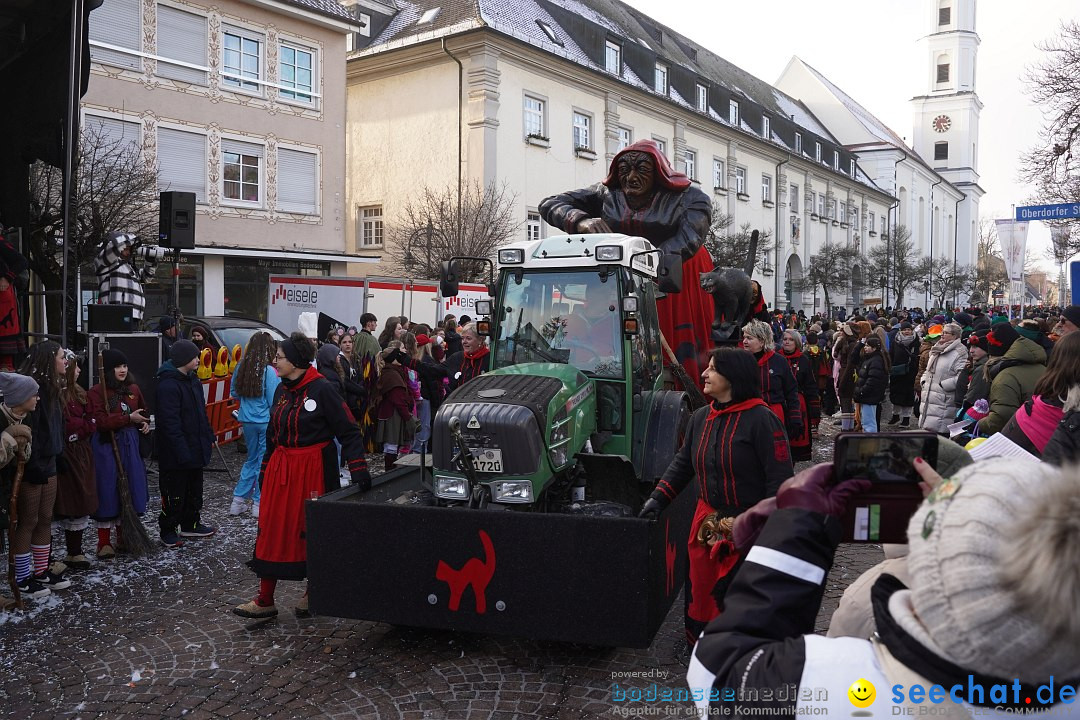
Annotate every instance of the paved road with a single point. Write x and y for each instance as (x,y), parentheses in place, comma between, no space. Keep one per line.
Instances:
(155,638)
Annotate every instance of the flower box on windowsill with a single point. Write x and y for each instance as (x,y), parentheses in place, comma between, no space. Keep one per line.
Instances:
(584,152)
(743,196)
(813,216)
(538,141)
(768,203)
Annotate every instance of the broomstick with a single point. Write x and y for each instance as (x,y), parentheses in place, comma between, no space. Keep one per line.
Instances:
(693,392)
(13,519)
(136,539)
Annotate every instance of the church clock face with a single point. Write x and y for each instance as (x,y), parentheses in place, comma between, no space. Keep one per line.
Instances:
(941,123)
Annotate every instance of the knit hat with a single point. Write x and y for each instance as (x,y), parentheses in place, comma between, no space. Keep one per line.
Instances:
(871,316)
(962,319)
(998,319)
(422,340)
(1001,338)
(873,341)
(934,331)
(905,325)
(1029,329)
(17,388)
(1072,314)
(182,352)
(938,319)
(166,322)
(111,359)
(994,570)
(978,339)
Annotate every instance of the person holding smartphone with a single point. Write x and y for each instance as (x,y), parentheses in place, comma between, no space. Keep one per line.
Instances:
(736,451)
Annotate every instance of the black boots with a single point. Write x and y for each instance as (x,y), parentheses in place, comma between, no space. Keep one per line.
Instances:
(905,423)
(894,419)
(389,461)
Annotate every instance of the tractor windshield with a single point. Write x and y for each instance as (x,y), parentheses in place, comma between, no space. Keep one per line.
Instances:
(563,317)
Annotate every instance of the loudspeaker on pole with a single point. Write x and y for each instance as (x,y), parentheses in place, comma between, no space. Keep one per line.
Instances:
(176,226)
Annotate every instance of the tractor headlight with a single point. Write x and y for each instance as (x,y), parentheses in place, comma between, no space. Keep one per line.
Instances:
(452,488)
(511,256)
(608,253)
(559,439)
(512,491)
(558,455)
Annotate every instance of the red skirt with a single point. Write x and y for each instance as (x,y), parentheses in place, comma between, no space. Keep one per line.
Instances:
(293,476)
(708,568)
(686,317)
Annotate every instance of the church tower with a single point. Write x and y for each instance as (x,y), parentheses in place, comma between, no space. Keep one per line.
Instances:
(946,117)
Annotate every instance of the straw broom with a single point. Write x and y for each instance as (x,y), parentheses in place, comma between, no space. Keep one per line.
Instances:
(13,520)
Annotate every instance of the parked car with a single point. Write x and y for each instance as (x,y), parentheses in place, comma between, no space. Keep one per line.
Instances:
(230,330)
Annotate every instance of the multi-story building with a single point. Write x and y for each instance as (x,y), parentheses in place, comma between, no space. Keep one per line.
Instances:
(242,103)
(540,95)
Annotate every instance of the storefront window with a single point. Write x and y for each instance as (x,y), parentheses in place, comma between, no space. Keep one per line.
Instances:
(159,291)
(247,281)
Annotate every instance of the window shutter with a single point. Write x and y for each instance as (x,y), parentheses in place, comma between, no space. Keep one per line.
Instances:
(182,162)
(298,181)
(117,22)
(121,136)
(181,36)
(244,148)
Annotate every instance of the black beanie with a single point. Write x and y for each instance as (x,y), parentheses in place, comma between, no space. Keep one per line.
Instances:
(111,359)
(182,352)
(978,339)
(1001,338)
(1072,314)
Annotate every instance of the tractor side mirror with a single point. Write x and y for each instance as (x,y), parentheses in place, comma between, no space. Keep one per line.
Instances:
(448,279)
(669,273)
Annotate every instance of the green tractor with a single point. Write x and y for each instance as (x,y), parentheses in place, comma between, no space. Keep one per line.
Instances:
(548,456)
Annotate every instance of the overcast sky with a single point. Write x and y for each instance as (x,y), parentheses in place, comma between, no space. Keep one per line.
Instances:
(880,63)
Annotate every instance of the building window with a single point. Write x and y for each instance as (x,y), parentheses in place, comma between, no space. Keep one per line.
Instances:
(116,23)
(534,117)
(702,98)
(740,180)
(181,160)
(660,84)
(582,135)
(811,203)
(854,219)
(718,177)
(547,31)
(842,216)
(691,164)
(944,15)
(241,171)
(941,151)
(296,70)
(821,205)
(182,36)
(943,72)
(733,113)
(371,227)
(111,136)
(661,144)
(817,151)
(298,181)
(793,198)
(613,58)
(798,144)
(870,222)
(766,188)
(836,160)
(766,131)
(242,60)
(532,226)
(852,168)
(626,137)
(883,224)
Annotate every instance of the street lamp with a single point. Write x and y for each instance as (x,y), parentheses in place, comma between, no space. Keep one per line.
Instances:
(883,303)
(926,289)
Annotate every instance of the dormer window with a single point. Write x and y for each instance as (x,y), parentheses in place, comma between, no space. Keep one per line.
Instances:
(429,16)
(766,130)
(733,113)
(661,82)
(613,58)
(702,98)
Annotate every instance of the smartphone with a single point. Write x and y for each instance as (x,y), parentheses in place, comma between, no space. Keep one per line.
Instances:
(881,513)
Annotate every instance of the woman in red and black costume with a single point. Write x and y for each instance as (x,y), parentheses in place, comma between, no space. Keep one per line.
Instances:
(300,463)
(643,196)
(470,361)
(736,451)
(778,388)
(791,348)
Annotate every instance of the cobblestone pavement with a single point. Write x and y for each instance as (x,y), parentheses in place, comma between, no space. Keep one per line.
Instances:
(156,638)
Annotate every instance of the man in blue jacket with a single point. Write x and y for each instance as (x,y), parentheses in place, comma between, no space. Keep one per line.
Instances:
(184,441)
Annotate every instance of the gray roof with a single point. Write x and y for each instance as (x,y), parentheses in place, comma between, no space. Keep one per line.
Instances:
(330,8)
(582,25)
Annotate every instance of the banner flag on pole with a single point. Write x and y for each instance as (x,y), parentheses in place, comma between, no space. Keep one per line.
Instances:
(1013,238)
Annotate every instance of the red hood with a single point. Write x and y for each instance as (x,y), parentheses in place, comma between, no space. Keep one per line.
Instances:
(665,178)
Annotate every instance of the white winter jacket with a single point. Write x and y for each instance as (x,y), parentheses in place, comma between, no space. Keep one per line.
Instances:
(938,383)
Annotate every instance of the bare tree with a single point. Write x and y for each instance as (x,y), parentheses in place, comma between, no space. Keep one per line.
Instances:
(730,249)
(1052,164)
(947,280)
(897,261)
(830,270)
(433,228)
(989,273)
(115,191)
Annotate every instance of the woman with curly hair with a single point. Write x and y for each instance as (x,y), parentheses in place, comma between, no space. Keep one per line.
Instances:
(254,384)
(32,542)
(76,489)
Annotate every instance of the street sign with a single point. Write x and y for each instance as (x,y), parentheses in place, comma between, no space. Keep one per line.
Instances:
(1074,280)
(999,294)
(1061,211)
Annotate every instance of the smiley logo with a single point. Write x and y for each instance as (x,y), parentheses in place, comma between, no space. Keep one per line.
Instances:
(861,693)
